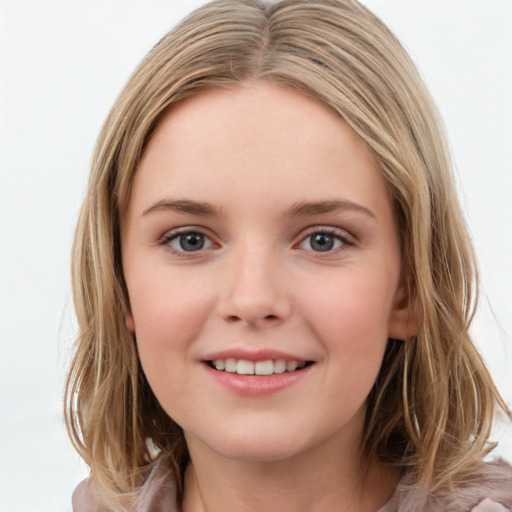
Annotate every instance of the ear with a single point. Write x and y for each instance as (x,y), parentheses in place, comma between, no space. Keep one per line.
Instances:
(403,320)
(130,323)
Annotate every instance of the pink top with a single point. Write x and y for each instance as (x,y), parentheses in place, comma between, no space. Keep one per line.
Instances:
(491,492)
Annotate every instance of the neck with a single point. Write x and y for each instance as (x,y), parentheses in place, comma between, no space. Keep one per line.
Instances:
(319,480)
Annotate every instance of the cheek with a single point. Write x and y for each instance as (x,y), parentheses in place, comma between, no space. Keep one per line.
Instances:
(166,303)
(168,316)
(350,316)
(349,305)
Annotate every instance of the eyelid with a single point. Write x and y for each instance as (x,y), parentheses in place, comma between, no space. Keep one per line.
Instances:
(343,235)
(347,239)
(174,233)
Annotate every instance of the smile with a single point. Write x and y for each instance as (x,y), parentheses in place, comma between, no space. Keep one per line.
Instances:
(268,367)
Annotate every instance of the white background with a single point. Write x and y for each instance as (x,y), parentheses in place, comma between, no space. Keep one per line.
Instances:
(61,67)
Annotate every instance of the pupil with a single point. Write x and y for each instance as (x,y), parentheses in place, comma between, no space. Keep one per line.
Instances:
(322,243)
(191,242)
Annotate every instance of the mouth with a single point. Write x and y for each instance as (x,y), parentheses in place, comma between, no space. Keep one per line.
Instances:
(257,368)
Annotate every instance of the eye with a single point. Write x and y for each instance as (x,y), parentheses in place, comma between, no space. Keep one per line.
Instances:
(191,241)
(323,241)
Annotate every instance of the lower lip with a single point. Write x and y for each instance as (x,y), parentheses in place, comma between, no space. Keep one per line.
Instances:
(257,385)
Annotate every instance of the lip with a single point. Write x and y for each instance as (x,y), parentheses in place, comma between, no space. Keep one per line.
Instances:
(256,385)
(252,355)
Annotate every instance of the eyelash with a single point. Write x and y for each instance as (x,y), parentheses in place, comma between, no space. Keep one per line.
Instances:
(341,236)
(176,234)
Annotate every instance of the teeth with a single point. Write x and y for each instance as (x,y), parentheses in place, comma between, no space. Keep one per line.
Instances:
(291,366)
(230,365)
(245,367)
(264,368)
(269,367)
(279,366)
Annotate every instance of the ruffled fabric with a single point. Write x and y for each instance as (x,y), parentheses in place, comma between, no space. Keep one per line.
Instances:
(491,491)
(490,506)
(158,494)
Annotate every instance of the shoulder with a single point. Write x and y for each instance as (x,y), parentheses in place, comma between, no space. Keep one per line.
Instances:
(158,494)
(489,489)
(488,505)
(84,499)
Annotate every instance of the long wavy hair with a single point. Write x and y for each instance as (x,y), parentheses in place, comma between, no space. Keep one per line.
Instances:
(433,403)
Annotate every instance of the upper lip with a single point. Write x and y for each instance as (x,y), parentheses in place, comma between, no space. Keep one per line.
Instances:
(253,355)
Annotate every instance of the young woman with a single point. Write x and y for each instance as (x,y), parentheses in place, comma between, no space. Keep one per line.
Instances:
(274,282)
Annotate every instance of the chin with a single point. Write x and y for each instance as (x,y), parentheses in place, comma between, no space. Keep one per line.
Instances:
(261,443)
(257,452)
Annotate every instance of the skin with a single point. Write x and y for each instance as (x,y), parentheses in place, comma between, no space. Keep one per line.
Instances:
(254,153)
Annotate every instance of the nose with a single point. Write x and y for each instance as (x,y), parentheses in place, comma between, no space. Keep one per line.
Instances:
(255,291)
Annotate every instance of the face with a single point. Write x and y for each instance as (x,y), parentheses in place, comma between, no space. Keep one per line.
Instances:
(262,262)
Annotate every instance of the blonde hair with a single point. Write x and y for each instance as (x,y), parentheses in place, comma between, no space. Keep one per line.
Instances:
(433,403)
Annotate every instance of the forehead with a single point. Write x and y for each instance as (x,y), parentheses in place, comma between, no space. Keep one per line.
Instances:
(257,111)
(258,140)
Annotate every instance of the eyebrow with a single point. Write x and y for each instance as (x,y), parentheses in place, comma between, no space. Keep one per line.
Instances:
(299,209)
(304,208)
(184,206)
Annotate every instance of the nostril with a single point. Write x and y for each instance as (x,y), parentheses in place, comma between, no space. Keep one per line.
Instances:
(236,318)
